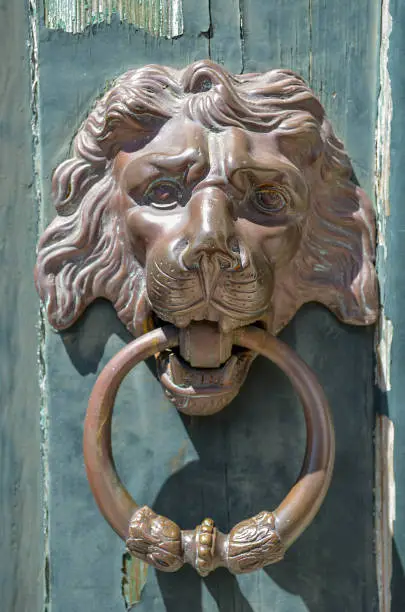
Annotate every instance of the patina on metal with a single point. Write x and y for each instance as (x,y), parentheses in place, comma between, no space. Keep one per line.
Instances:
(218,204)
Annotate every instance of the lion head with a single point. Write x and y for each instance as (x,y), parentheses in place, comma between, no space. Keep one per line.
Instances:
(198,195)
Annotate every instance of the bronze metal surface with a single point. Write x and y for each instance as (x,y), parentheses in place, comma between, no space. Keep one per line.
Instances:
(196,195)
(253,543)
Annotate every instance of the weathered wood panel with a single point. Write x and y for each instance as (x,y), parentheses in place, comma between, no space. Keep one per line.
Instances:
(161,18)
(85,554)
(393,273)
(21,557)
(226,34)
(236,463)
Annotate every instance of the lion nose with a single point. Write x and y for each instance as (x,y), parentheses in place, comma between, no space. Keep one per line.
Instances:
(210,231)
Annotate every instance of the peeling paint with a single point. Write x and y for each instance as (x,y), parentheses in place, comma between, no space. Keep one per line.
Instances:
(134,577)
(384,439)
(158,17)
(384,337)
(383,139)
(242,34)
(41,326)
(385,507)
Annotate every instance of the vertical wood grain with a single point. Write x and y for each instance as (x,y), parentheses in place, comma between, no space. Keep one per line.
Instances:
(226,35)
(335,46)
(21,556)
(393,273)
(158,17)
(84,553)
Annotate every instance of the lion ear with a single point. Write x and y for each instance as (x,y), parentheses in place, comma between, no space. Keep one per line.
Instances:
(353,290)
(74,177)
(71,250)
(335,262)
(63,253)
(66,260)
(82,254)
(70,182)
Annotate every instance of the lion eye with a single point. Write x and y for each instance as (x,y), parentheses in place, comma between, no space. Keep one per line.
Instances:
(164,193)
(271,199)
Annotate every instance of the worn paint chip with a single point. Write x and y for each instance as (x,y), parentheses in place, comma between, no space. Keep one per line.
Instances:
(134,576)
(384,338)
(158,17)
(384,439)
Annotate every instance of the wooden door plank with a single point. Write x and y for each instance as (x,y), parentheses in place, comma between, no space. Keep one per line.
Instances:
(335,47)
(225,34)
(85,554)
(345,74)
(392,272)
(22,559)
(276,34)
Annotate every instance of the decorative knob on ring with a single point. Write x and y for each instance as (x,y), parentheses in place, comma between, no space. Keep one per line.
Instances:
(206,534)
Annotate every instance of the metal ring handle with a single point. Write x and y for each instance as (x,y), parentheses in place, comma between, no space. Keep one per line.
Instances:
(251,544)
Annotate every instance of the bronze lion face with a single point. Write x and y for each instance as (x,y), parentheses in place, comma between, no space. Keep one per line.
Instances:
(198,196)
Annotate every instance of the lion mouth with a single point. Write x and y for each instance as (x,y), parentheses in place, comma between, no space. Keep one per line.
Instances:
(203,390)
(179,377)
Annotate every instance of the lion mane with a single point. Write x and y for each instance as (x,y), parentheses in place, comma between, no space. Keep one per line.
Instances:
(85,252)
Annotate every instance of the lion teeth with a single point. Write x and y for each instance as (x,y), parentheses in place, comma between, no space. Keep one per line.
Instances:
(229,370)
(182,321)
(176,369)
(184,375)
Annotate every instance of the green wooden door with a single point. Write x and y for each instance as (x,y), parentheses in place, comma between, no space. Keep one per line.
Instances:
(58,554)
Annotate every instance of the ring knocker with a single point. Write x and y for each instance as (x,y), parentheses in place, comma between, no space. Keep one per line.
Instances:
(208,208)
(251,544)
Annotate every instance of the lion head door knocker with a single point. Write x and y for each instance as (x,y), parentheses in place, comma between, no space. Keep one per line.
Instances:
(207,208)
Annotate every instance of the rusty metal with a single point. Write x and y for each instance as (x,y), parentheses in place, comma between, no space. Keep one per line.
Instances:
(251,544)
(219,204)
